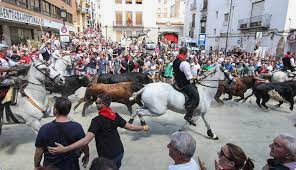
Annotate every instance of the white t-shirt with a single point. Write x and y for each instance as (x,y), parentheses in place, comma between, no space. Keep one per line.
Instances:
(192,165)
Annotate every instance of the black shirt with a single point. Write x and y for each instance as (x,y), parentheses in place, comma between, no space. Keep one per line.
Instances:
(108,141)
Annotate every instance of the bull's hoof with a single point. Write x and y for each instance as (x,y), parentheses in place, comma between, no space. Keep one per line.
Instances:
(212,135)
(131,121)
(143,123)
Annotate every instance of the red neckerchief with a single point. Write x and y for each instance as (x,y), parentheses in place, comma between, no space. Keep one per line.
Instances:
(107,113)
(182,56)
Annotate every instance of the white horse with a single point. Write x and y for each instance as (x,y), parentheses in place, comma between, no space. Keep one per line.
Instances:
(32,104)
(159,97)
(62,64)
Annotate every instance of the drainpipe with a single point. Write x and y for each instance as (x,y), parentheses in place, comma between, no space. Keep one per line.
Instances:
(228,26)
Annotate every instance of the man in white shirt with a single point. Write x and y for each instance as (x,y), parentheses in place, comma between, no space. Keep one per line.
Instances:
(181,149)
(184,81)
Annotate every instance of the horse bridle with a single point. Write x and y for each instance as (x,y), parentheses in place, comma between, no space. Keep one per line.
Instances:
(202,79)
(46,74)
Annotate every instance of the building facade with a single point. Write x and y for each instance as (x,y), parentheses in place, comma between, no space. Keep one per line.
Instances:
(170,19)
(239,23)
(127,18)
(21,20)
(87,14)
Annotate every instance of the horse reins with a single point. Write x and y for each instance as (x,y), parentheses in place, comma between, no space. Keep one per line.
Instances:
(33,103)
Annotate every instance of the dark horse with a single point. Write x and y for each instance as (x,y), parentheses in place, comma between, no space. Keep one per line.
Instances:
(241,85)
(72,84)
(135,77)
(285,90)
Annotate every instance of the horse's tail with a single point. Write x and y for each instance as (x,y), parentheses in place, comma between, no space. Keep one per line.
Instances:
(135,94)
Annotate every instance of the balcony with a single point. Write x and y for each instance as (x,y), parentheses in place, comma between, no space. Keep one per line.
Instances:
(257,22)
(126,24)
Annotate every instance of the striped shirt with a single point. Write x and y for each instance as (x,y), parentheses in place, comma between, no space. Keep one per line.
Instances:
(291,166)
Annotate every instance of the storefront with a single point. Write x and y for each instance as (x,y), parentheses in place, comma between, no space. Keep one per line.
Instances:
(18,27)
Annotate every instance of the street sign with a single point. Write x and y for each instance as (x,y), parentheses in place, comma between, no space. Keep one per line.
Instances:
(65,38)
(202,39)
(259,34)
(64,31)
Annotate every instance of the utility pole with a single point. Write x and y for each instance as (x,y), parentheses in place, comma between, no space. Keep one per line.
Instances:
(228,26)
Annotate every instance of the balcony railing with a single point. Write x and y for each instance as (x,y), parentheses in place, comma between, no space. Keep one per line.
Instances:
(126,24)
(262,22)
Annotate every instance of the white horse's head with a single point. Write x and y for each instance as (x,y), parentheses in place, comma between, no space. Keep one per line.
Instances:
(43,71)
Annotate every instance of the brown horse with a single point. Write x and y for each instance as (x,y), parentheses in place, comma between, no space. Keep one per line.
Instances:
(241,85)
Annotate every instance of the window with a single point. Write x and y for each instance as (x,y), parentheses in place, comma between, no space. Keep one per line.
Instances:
(118,1)
(173,12)
(193,20)
(23,3)
(139,2)
(226,19)
(129,18)
(257,8)
(55,12)
(118,18)
(139,17)
(35,5)
(45,8)
(128,1)
(10,1)
(69,18)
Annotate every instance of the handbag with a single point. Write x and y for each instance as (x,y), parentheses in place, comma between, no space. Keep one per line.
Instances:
(77,153)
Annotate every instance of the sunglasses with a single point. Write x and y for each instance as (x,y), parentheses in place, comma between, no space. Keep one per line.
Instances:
(221,153)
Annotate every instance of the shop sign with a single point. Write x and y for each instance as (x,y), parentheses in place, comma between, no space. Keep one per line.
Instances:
(13,15)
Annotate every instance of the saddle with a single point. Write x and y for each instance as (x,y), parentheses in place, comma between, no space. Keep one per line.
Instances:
(176,87)
(9,94)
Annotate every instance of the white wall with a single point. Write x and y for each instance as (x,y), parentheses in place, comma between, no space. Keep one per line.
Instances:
(108,7)
(241,9)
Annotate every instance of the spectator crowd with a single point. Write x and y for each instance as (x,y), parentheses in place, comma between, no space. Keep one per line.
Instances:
(61,142)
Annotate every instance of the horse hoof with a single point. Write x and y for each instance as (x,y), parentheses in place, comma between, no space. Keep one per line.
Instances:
(212,135)
(143,123)
(291,109)
(131,121)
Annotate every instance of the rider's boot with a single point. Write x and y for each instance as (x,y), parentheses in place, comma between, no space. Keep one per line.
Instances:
(14,96)
(189,114)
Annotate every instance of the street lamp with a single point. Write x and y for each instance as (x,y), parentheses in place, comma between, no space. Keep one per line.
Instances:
(63,14)
(106,30)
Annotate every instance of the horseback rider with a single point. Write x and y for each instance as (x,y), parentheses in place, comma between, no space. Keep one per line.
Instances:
(184,81)
(6,81)
(46,49)
(288,62)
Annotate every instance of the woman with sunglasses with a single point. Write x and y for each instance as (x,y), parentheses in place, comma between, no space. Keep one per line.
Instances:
(232,157)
